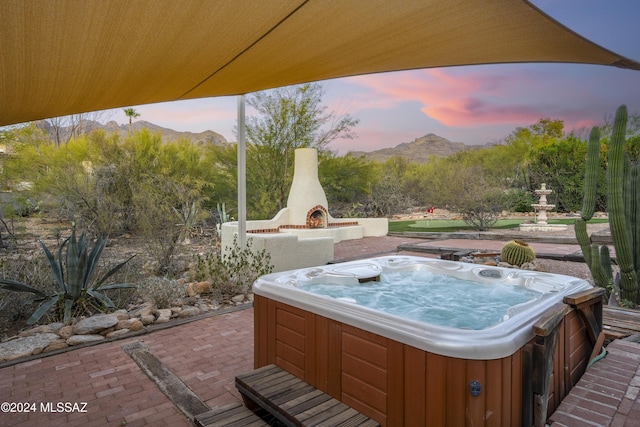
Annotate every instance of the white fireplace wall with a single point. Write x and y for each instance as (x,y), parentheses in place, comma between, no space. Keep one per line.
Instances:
(306,192)
(286,237)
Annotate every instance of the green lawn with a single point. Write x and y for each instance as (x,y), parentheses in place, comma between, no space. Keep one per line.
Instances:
(449,225)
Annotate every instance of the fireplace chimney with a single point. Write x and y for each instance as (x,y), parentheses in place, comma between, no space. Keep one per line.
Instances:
(306,195)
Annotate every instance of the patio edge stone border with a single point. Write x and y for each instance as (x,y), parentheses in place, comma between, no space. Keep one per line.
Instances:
(149,329)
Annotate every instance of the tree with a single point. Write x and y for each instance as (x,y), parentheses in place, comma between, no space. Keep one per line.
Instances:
(388,195)
(523,140)
(63,129)
(132,114)
(479,203)
(347,183)
(561,166)
(289,118)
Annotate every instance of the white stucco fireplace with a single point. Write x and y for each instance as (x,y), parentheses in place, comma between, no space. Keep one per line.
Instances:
(303,233)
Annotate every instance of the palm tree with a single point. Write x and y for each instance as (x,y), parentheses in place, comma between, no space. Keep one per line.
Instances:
(132,114)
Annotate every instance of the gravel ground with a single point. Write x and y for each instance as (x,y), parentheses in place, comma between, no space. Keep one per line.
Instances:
(575,269)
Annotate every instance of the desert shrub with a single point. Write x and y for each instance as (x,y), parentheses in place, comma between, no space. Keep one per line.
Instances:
(483,210)
(387,198)
(161,291)
(7,234)
(28,268)
(234,272)
(519,201)
(16,307)
(166,211)
(104,184)
(21,206)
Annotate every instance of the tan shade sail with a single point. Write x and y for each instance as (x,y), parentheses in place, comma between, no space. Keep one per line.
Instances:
(59,57)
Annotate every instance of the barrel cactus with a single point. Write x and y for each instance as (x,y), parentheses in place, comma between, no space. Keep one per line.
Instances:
(517,252)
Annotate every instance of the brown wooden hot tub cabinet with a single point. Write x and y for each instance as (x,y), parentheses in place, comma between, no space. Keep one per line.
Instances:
(400,385)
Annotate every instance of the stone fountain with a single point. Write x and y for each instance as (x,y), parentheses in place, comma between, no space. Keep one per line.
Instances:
(541,209)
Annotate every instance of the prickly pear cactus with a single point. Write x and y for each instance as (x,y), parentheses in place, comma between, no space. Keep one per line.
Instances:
(517,252)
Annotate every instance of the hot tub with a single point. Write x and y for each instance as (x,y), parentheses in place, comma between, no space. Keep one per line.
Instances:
(410,371)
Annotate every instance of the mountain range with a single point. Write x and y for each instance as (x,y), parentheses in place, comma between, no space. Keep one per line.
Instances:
(419,150)
(206,137)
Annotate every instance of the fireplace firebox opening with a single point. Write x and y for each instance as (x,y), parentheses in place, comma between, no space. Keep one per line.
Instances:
(317,218)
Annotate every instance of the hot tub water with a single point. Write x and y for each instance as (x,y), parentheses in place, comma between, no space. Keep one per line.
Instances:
(431,297)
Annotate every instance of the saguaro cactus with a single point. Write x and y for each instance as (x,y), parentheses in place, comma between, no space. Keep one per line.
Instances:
(623,206)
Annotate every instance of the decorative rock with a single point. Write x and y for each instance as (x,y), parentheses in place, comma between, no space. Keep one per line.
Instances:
(250,297)
(95,324)
(122,316)
(26,346)
(148,312)
(238,298)
(197,288)
(104,332)
(117,333)
(163,315)
(55,327)
(531,266)
(147,319)
(83,339)
(203,307)
(40,329)
(136,325)
(65,332)
(189,311)
(144,309)
(56,345)
(123,324)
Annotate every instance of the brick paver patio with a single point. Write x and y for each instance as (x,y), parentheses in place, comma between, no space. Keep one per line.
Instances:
(206,354)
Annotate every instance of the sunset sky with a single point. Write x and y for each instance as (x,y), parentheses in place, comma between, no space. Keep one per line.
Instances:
(472,104)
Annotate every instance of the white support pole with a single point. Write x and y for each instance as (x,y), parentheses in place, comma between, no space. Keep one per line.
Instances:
(242,175)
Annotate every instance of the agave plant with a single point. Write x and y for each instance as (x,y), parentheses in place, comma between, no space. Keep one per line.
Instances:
(73,274)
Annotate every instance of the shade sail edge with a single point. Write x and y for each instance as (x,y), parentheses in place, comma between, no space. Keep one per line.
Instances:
(101,59)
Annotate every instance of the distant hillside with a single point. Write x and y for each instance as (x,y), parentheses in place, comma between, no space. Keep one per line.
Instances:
(419,150)
(206,137)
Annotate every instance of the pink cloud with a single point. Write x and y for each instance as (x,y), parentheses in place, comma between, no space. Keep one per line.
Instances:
(189,116)
(456,97)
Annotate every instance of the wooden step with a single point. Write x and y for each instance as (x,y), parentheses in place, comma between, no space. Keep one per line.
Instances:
(296,403)
(232,415)
(620,322)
